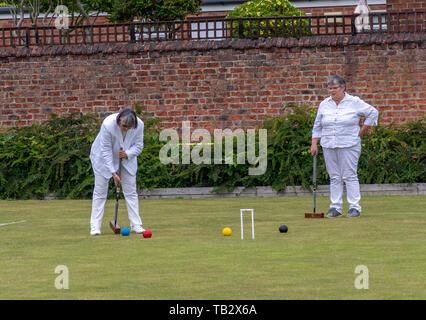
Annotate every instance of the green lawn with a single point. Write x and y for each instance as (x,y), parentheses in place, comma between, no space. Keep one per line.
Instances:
(188,258)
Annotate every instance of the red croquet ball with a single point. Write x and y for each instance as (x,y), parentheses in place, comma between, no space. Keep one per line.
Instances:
(147,234)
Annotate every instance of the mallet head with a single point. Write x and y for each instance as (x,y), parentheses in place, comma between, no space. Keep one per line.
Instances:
(114,227)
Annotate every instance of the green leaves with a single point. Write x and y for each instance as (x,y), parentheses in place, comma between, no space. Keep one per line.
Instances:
(271,27)
(394,154)
(54,158)
(161,10)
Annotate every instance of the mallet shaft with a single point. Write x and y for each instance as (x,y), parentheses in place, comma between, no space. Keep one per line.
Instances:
(117,192)
(315,182)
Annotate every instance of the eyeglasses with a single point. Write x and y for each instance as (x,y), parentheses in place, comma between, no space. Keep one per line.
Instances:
(125,126)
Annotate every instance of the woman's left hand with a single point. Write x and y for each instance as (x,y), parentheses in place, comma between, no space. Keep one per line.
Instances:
(364,129)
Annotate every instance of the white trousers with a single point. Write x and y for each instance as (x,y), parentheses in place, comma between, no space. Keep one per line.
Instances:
(100,192)
(342,167)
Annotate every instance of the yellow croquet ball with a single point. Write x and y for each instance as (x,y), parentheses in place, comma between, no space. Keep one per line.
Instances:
(226,231)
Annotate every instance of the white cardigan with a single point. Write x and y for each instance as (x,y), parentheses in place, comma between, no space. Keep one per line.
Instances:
(104,151)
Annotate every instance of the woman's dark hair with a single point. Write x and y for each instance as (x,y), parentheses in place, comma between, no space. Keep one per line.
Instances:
(128,118)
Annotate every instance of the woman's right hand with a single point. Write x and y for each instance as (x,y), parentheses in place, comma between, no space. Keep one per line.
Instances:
(314,146)
(314,149)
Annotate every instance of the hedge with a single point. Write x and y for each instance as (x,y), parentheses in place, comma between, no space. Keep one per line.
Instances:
(53,157)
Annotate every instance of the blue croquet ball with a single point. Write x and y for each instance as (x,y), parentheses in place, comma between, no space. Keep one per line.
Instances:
(125,231)
(283,228)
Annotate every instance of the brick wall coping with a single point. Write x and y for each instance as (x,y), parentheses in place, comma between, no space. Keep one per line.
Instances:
(206,45)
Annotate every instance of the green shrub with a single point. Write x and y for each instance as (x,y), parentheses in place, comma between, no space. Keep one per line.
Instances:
(394,154)
(289,159)
(390,154)
(54,158)
(269,27)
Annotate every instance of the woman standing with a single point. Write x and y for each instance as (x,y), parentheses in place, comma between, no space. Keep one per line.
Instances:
(337,128)
(120,137)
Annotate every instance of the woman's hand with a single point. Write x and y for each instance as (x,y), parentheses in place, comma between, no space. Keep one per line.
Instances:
(117,179)
(314,146)
(314,149)
(122,154)
(364,129)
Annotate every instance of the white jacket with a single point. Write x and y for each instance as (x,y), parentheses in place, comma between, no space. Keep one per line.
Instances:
(104,151)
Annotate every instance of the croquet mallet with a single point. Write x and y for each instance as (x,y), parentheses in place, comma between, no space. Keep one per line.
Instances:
(314,214)
(113,223)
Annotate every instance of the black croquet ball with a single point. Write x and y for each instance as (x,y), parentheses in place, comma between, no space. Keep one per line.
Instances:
(283,228)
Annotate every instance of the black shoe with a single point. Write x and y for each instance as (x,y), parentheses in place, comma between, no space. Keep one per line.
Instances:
(333,213)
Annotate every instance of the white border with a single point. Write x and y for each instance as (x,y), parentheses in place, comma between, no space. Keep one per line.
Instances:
(14,222)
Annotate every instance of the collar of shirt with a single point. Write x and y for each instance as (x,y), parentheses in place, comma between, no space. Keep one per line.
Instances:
(346,97)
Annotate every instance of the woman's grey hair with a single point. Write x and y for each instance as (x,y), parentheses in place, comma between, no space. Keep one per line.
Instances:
(128,118)
(337,80)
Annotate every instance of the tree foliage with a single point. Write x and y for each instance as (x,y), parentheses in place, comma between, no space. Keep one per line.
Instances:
(272,27)
(152,10)
(86,11)
(266,8)
(79,11)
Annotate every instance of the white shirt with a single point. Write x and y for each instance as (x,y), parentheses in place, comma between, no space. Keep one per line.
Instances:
(338,125)
(104,151)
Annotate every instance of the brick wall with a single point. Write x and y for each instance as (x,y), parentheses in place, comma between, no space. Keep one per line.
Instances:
(216,84)
(405,5)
